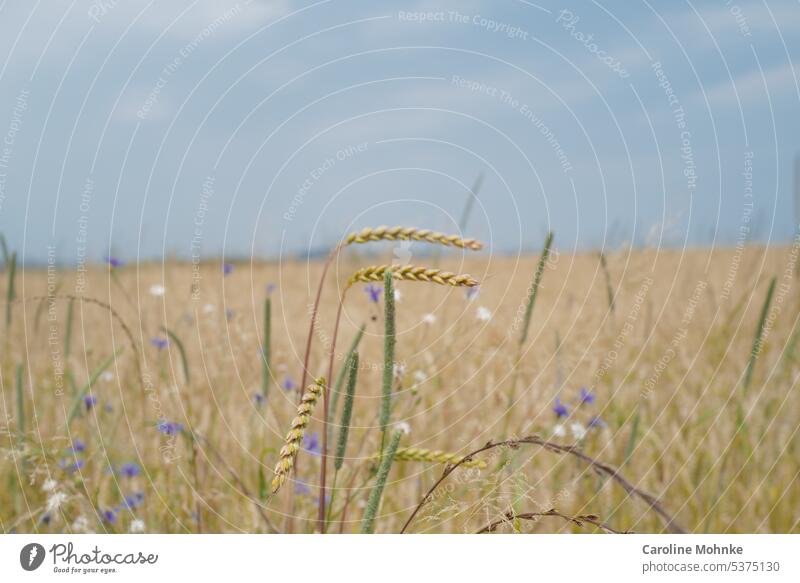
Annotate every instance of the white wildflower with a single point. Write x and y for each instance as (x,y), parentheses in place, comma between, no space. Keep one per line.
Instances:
(578,431)
(397,295)
(209,309)
(399,370)
(81,524)
(157,290)
(55,501)
(107,376)
(137,526)
(49,485)
(484,314)
(429,319)
(404,427)
(559,430)
(420,377)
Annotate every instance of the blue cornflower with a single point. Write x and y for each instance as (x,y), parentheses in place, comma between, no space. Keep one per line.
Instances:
(130,470)
(77,446)
(312,445)
(472,293)
(160,343)
(301,488)
(89,401)
(227,268)
(71,467)
(228,313)
(170,427)
(560,409)
(109,516)
(596,423)
(587,397)
(259,399)
(374,292)
(289,384)
(132,501)
(114,262)
(270,288)
(45,519)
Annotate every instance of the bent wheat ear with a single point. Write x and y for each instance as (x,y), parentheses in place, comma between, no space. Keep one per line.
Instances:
(295,436)
(384,233)
(409,454)
(412,273)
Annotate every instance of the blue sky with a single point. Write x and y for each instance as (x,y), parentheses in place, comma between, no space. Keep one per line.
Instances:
(156,129)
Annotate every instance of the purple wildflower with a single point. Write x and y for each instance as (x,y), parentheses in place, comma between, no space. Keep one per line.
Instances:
(374,292)
(71,467)
(228,313)
(301,488)
(170,427)
(114,262)
(289,384)
(560,409)
(77,446)
(227,268)
(130,470)
(109,516)
(270,288)
(587,397)
(160,343)
(45,519)
(89,401)
(596,423)
(312,445)
(132,501)
(472,293)
(259,399)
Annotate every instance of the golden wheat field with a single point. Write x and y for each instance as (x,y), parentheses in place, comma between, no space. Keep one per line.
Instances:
(642,417)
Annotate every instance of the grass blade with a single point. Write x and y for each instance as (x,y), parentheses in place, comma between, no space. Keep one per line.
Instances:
(534,289)
(374,502)
(758,340)
(471,198)
(68,334)
(347,412)
(76,405)
(337,389)
(20,405)
(634,434)
(181,352)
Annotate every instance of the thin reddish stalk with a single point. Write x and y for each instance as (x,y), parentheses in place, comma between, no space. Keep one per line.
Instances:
(325,420)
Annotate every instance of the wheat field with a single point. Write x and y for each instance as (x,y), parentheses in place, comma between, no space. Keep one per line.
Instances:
(661,366)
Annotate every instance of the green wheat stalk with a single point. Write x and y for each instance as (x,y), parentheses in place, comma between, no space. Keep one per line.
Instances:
(68,334)
(389,344)
(267,349)
(609,288)
(374,502)
(10,293)
(20,406)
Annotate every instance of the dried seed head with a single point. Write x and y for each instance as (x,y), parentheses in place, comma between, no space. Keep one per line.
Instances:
(412,273)
(437,457)
(384,233)
(295,436)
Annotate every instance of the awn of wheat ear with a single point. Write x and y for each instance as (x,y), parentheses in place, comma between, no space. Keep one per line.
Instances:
(295,436)
(383,233)
(409,454)
(412,273)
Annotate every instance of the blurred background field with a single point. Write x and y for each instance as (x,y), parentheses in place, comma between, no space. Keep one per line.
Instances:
(641,365)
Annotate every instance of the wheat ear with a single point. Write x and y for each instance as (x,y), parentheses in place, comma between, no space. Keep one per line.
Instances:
(295,436)
(412,273)
(384,233)
(409,454)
